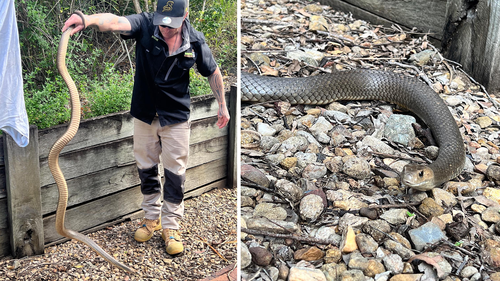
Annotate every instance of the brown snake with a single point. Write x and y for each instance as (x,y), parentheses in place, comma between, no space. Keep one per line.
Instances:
(404,91)
(54,158)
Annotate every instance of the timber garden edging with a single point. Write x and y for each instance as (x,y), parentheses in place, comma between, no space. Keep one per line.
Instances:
(100,170)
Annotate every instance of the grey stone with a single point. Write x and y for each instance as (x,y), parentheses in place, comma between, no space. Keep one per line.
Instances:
(431,152)
(265,129)
(443,197)
(377,145)
(393,263)
(399,129)
(427,234)
(293,144)
(328,233)
(395,216)
(366,244)
(321,126)
(468,271)
(399,249)
(275,159)
(333,271)
(352,220)
(271,225)
(270,211)
(302,56)
(289,190)
(357,261)
(267,142)
(245,256)
(338,116)
(314,171)
(303,159)
(311,206)
(356,167)
(353,275)
(375,229)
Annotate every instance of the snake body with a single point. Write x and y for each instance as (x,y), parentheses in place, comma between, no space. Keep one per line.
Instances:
(404,91)
(54,157)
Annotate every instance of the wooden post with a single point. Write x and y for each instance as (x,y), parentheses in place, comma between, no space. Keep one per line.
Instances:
(22,171)
(232,167)
(471,36)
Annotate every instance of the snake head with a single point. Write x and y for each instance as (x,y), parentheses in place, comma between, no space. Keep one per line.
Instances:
(418,177)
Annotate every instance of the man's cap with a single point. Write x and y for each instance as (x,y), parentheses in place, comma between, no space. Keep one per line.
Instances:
(170,12)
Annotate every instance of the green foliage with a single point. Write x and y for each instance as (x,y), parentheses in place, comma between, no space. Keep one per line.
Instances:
(217,19)
(198,85)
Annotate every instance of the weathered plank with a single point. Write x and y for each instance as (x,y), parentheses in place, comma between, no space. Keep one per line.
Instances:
(204,106)
(1,149)
(120,153)
(4,212)
(426,15)
(91,132)
(91,160)
(89,187)
(95,212)
(204,129)
(233,147)
(471,37)
(205,174)
(4,242)
(199,191)
(3,183)
(23,196)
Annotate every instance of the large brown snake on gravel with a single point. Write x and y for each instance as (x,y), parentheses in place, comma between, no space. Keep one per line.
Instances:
(404,91)
(54,158)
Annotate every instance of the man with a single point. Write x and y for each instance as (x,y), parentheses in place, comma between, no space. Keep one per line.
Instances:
(167,47)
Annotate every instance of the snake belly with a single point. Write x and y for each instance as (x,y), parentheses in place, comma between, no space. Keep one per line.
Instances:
(54,158)
(361,84)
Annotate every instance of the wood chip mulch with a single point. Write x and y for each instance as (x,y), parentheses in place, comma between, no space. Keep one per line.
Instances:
(208,232)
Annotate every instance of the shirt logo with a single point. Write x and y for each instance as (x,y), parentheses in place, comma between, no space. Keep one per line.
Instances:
(168,7)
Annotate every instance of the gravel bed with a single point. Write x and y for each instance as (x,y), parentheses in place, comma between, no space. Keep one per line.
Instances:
(321,196)
(210,219)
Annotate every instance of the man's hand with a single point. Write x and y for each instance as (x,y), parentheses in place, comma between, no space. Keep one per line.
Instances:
(215,81)
(75,20)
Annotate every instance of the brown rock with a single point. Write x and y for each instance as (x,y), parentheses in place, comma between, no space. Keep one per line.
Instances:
(254,175)
(406,277)
(309,254)
(374,268)
(283,271)
(289,162)
(495,276)
(370,213)
(493,249)
(401,239)
(430,208)
(261,256)
(349,244)
(492,193)
(333,255)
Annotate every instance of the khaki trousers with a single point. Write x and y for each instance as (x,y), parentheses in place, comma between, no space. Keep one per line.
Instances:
(171,143)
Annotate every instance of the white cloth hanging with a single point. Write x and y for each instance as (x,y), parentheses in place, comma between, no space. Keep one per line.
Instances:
(13,117)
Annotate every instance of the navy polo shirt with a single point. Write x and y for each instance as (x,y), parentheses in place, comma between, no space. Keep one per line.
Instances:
(161,82)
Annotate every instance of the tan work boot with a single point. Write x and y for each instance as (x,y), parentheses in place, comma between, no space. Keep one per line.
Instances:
(148,227)
(173,241)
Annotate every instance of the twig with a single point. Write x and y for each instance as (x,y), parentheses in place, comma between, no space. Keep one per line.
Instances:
(256,65)
(420,73)
(289,236)
(494,102)
(211,247)
(459,269)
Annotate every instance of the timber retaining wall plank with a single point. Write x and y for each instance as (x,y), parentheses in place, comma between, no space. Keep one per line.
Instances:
(95,212)
(426,15)
(89,187)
